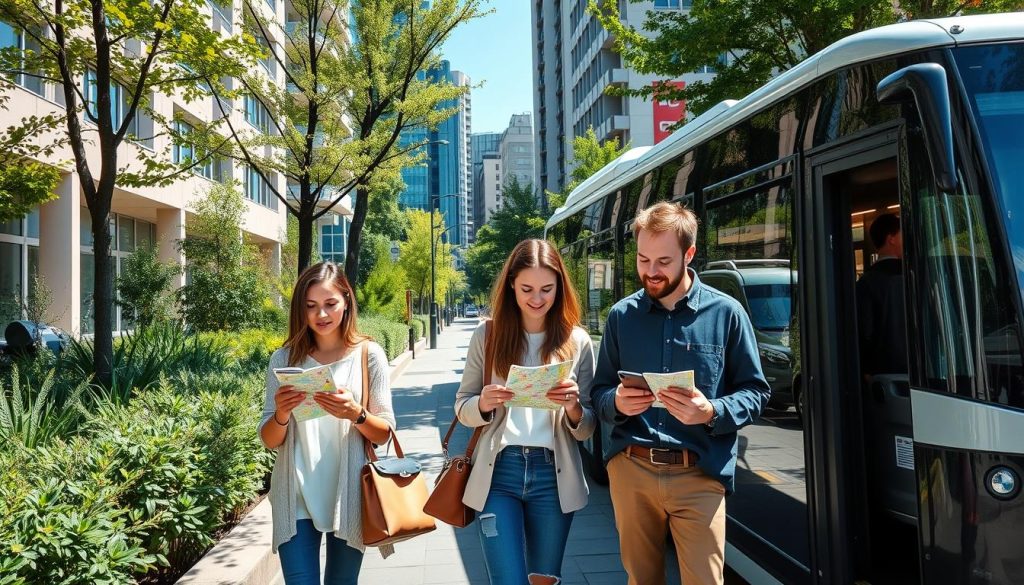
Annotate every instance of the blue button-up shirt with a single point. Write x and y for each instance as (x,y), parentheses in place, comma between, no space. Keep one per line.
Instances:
(707,332)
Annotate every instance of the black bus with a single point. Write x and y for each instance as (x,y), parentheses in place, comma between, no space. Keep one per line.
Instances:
(906,477)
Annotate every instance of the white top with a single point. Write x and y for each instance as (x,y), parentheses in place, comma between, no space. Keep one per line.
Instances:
(317,444)
(346,502)
(530,427)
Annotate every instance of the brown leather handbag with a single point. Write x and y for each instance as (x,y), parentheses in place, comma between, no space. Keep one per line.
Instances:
(393,490)
(445,503)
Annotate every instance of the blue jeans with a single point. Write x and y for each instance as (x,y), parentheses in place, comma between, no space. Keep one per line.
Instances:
(522,527)
(300,558)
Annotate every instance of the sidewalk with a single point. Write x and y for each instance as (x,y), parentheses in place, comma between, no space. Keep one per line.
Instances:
(423,399)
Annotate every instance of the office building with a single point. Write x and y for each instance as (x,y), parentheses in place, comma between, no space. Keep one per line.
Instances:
(481,144)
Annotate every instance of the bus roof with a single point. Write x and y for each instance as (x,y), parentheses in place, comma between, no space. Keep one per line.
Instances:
(904,37)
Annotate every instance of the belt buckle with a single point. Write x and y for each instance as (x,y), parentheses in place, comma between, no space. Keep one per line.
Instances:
(650,455)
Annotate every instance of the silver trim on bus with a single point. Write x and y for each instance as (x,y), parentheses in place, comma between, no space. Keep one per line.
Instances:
(947,420)
(747,568)
(885,41)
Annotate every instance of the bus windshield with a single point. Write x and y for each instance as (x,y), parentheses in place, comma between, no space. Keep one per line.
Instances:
(994,78)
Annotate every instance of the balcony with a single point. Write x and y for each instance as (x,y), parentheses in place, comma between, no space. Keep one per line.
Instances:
(614,77)
(222,17)
(613,126)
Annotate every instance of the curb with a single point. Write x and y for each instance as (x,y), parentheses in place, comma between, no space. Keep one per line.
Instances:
(244,556)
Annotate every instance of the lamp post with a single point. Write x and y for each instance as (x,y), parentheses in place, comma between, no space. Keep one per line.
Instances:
(433,275)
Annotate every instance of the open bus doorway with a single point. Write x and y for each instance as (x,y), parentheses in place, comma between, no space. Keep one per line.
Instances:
(875,401)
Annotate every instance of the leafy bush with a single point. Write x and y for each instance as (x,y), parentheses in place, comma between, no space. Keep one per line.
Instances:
(142,287)
(141,358)
(144,486)
(33,417)
(392,336)
(383,292)
(424,321)
(249,350)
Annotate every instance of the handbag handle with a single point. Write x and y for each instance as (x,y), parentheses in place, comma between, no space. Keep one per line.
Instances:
(371,455)
(487,380)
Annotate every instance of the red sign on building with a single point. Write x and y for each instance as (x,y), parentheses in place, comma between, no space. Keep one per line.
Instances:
(666,114)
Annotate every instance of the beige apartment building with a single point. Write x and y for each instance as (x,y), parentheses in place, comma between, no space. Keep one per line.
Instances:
(55,240)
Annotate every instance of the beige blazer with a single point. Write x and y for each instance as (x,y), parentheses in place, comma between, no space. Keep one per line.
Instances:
(572,485)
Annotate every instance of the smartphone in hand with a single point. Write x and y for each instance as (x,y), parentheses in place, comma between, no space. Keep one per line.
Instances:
(633,380)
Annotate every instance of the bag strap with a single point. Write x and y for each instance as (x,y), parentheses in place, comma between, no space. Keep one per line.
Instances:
(371,455)
(487,380)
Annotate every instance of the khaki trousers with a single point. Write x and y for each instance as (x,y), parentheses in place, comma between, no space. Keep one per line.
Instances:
(650,500)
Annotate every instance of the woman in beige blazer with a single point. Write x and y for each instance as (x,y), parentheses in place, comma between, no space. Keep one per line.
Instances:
(527,478)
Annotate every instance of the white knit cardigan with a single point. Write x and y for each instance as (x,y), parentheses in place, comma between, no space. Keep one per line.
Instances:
(284,482)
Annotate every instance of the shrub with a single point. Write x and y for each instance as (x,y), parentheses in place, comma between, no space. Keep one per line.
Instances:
(34,417)
(424,321)
(248,350)
(392,336)
(143,285)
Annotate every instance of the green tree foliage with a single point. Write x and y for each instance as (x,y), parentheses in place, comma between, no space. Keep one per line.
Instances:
(414,258)
(383,291)
(385,223)
(80,46)
(761,38)
(143,287)
(589,156)
(336,127)
(518,218)
(25,185)
(226,288)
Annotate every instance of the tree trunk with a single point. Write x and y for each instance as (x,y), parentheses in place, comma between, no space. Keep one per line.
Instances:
(355,235)
(103,288)
(306,223)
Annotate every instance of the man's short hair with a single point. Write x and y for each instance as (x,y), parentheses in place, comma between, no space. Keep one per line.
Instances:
(665,216)
(884,226)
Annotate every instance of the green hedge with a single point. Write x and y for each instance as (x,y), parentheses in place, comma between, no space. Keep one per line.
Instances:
(392,336)
(422,324)
(250,349)
(141,488)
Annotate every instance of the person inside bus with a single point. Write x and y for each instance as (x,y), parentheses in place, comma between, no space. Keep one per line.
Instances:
(670,468)
(881,317)
(527,478)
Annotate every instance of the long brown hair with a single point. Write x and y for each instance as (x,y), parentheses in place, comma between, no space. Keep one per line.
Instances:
(301,341)
(508,340)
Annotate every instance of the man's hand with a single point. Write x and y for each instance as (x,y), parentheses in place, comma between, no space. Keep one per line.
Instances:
(688,405)
(632,401)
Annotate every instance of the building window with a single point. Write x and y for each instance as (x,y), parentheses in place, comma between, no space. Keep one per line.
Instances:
(256,114)
(257,190)
(673,4)
(11,37)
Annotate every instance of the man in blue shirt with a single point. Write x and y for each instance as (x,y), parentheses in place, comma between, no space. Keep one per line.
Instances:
(670,467)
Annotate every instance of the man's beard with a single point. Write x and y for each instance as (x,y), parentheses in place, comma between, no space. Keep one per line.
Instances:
(662,287)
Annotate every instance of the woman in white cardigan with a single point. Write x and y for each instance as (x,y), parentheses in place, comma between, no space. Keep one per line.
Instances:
(314,487)
(527,478)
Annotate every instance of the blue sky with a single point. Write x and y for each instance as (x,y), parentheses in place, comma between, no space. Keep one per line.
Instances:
(495,52)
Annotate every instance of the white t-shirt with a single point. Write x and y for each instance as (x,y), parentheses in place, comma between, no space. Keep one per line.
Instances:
(317,444)
(530,427)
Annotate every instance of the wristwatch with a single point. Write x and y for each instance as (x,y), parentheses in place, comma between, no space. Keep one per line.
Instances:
(361,418)
(714,419)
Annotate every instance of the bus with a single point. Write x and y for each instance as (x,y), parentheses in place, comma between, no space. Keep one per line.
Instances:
(911,477)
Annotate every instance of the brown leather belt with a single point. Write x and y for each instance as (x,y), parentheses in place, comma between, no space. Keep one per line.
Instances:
(684,457)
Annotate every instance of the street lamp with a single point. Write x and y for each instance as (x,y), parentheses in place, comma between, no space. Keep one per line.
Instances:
(435,204)
(433,274)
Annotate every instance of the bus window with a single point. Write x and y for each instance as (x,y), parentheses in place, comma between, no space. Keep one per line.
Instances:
(748,243)
(575,258)
(601,289)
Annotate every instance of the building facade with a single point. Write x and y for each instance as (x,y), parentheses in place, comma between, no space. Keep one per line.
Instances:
(517,151)
(574,64)
(481,144)
(490,185)
(55,240)
(445,171)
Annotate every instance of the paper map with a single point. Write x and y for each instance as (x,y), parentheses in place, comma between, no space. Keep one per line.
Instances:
(659,382)
(531,385)
(311,381)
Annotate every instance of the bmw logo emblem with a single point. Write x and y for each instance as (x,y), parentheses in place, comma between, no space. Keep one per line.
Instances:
(1002,482)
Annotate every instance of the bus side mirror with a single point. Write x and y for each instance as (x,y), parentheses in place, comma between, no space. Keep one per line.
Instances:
(925,85)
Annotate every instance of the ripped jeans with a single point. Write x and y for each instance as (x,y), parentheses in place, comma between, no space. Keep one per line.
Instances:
(522,527)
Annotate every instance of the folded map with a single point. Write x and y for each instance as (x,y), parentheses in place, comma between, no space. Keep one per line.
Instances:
(659,382)
(531,385)
(311,381)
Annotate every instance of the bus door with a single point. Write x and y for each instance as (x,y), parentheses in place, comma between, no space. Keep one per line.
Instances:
(860,436)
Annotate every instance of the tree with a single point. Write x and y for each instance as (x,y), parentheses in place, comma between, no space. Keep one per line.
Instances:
(24,183)
(226,290)
(414,257)
(335,131)
(143,287)
(385,223)
(589,156)
(761,39)
(105,89)
(518,218)
(383,291)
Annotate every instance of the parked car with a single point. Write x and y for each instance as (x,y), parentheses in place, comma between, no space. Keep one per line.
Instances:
(763,287)
(472,312)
